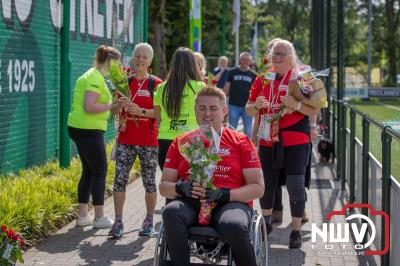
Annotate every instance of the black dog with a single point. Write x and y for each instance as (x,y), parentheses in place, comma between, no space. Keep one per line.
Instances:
(325,149)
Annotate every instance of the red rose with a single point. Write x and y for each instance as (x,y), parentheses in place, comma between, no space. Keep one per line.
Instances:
(3,228)
(128,70)
(22,242)
(10,233)
(14,237)
(214,81)
(265,60)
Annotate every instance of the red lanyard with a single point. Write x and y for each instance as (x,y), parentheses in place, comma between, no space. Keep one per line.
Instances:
(273,98)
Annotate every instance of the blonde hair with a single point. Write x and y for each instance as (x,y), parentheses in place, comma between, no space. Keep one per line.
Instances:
(201,62)
(289,46)
(222,58)
(271,43)
(143,45)
(242,54)
(213,92)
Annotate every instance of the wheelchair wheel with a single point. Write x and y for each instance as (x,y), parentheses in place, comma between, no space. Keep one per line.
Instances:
(259,240)
(160,252)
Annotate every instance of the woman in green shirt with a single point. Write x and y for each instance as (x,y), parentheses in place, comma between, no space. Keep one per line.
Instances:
(87,123)
(174,100)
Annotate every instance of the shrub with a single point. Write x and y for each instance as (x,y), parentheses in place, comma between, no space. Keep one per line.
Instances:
(39,200)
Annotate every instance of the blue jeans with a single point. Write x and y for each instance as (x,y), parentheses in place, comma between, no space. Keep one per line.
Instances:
(235,112)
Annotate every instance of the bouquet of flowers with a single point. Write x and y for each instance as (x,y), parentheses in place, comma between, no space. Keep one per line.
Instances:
(271,123)
(266,75)
(309,90)
(200,148)
(210,80)
(120,88)
(119,79)
(11,244)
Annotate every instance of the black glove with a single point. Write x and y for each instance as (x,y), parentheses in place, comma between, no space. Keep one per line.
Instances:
(220,195)
(184,188)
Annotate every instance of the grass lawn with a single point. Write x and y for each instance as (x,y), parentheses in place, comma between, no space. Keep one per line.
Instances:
(382,111)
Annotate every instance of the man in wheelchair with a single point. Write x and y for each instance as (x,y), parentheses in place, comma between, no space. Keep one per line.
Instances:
(238,180)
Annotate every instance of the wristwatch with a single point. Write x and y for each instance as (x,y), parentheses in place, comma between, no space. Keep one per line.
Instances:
(298,106)
(143,112)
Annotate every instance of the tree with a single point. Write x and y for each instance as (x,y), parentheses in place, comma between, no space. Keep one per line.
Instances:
(286,19)
(157,32)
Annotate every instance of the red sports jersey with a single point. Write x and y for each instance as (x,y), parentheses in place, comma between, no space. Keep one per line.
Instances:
(280,87)
(237,153)
(145,132)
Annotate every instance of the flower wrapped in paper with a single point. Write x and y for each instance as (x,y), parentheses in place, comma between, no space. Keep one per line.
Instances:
(119,78)
(308,89)
(120,87)
(200,148)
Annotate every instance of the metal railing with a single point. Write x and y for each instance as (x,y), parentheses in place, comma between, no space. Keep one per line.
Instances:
(367,179)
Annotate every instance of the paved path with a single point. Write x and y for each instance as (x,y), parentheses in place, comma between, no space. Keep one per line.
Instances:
(77,246)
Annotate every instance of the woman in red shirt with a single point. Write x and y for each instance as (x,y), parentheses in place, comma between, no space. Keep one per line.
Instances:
(285,147)
(237,178)
(137,138)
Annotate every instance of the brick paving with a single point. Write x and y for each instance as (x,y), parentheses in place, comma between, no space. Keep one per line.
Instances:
(87,246)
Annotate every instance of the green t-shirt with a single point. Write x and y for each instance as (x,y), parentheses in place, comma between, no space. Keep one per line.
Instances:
(92,81)
(171,128)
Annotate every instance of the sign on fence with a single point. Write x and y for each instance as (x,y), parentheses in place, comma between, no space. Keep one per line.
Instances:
(384,92)
(364,93)
(353,92)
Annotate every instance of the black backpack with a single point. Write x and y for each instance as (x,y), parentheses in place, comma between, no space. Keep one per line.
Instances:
(152,84)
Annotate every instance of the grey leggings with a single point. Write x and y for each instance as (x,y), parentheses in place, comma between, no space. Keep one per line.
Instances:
(230,220)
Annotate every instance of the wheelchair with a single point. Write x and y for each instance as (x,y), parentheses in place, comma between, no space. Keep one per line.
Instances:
(207,246)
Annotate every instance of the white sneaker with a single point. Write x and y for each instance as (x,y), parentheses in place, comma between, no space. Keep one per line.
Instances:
(84,221)
(103,222)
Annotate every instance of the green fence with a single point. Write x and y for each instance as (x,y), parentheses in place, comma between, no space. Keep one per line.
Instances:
(368,163)
(30,67)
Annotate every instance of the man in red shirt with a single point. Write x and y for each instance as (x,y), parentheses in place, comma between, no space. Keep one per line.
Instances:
(238,180)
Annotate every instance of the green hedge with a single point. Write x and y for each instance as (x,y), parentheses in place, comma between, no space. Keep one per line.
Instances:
(38,201)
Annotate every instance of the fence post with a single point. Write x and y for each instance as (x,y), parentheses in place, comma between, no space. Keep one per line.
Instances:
(65,85)
(343,141)
(334,120)
(365,162)
(328,63)
(352,154)
(386,187)
(339,137)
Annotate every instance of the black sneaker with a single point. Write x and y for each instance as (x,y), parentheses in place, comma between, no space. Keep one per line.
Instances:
(295,240)
(269,228)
